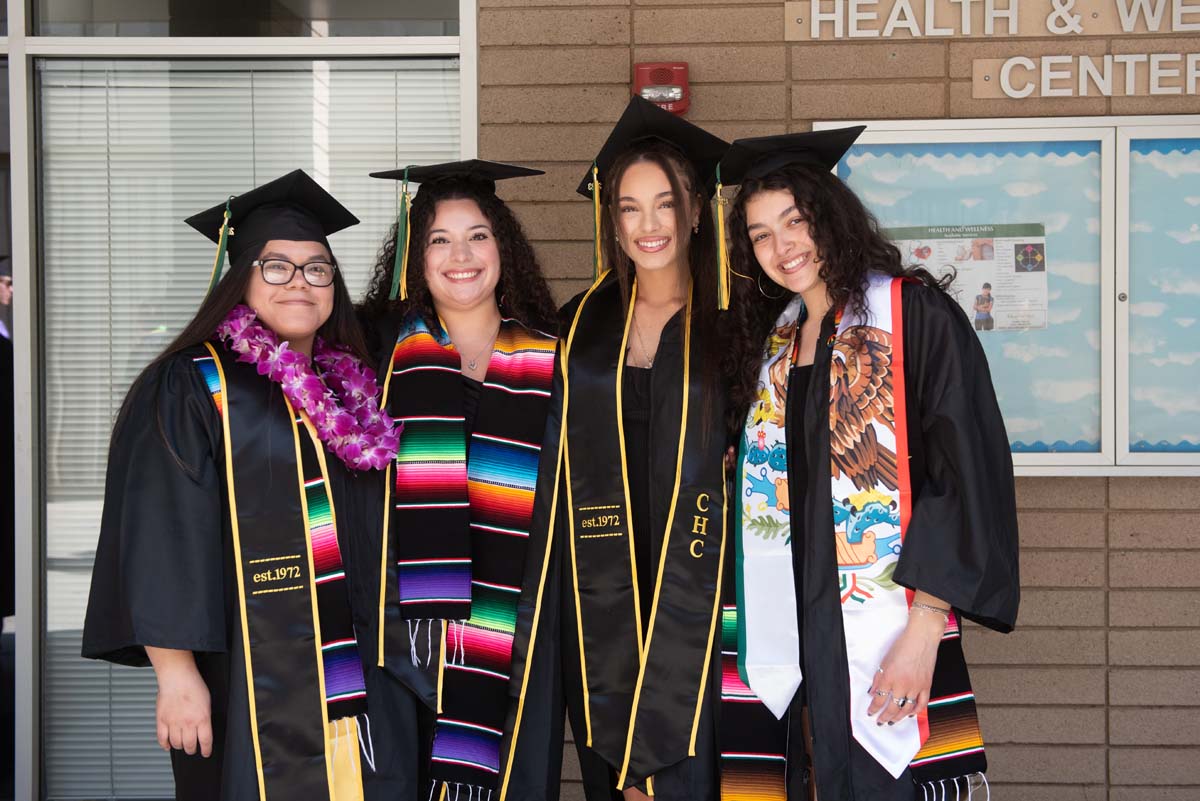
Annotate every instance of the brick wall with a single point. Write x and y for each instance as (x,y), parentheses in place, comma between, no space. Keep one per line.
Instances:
(1097,695)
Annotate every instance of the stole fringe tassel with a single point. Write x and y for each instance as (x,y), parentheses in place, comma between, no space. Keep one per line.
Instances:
(936,791)
(453,791)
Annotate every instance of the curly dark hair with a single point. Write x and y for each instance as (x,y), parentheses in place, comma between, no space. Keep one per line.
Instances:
(701,245)
(850,246)
(522,291)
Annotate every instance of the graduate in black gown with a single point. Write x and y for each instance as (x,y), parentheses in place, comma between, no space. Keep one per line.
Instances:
(630,519)
(874,490)
(233,478)
(462,318)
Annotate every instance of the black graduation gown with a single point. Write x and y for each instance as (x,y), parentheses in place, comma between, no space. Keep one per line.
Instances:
(164,574)
(961,543)
(556,647)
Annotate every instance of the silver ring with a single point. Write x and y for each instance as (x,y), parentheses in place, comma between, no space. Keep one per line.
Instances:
(902,701)
(882,693)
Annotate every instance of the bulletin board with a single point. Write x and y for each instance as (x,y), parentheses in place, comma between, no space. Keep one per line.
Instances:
(1076,251)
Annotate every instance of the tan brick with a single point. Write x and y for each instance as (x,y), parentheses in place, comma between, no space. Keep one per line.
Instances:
(1138,726)
(736,130)
(1061,493)
(1179,647)
(1154,530)
(541,142)
(555,220)
(841,101)
(1156,44)
(1063,764)
(1038,685)
(1001,791)
(563,290)
(549,3)
(1152,794)
(1154,766)
(1061,529)
(525,104)
(1161,687)
(1149,608)
(738,102)
(565,259)
(963,105)
(552,26)
(706,25)
(1157,104)
(877,60)
(1062,568)
(722,63)
(1062,608)
(1154,569)
(1160,492)
(698,2)
(1041,724)
(558,183)
(1035,647)
(964,51)
(554,65)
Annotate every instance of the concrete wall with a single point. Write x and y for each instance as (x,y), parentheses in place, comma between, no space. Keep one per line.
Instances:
(1097,695)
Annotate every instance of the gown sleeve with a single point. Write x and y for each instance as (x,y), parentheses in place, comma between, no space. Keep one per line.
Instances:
(961,544)
(159,575)
(534,755)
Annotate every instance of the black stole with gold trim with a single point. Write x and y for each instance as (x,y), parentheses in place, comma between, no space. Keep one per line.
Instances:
(642,696)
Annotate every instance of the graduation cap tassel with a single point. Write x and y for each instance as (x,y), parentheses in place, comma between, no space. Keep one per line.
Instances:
(722,247)
(400,267)
(222,245)
(598,261)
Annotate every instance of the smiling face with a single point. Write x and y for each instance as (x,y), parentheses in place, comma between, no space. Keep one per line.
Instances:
(295,310)
(6,292)
(462,258)
(648,220)
(781,240)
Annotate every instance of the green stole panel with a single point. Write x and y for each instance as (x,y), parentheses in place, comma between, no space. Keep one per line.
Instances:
(642,699)
(277,595)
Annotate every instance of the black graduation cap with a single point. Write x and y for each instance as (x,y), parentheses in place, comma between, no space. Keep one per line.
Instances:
(293,207)
(485,173)
(642,121)
(760,155)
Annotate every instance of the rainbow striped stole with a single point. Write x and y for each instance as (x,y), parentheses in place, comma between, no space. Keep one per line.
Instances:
(345,688)
(753,743)
(478,498)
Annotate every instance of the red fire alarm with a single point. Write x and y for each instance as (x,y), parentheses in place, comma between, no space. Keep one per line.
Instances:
(664,83)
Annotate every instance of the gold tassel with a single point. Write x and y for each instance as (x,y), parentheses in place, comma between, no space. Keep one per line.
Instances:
(403,229)
(222,246)
(598,259)
(722,248)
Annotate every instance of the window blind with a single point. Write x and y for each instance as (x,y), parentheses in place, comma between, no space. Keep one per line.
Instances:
(129,148)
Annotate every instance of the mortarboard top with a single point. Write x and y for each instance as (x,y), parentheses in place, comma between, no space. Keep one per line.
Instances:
(642,121)
(760,155)
(293,207)
(485,172)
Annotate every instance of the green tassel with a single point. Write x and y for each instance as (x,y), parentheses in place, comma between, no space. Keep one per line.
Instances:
(222,246)
(400,265)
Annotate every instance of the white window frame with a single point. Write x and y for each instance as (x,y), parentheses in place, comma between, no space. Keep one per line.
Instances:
(1114,458)
(21,49)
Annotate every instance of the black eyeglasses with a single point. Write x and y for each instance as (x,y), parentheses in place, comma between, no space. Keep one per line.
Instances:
(281,271)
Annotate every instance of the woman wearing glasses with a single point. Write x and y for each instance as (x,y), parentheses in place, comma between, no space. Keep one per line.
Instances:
(459,307)
(235,473)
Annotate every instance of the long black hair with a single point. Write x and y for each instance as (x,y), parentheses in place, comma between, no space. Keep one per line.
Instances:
(700,245)
(522,292)
(849,245)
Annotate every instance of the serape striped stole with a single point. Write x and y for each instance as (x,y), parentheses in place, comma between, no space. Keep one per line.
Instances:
(460,518)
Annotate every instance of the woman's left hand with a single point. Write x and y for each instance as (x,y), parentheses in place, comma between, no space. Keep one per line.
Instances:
(907,671)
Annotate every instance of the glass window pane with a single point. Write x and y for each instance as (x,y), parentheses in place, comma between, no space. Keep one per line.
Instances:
(245,18)
(1024,218)
(130,148)
(1164,288)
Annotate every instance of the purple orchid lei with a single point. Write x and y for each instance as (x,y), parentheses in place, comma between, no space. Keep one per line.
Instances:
(342,402)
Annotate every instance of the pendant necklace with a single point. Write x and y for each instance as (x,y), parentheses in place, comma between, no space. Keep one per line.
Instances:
(472,363)
(637,332)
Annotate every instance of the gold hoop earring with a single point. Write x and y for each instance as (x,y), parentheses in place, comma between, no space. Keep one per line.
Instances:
(764,294)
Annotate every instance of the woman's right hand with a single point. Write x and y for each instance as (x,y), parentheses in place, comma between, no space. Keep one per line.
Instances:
(183,710)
